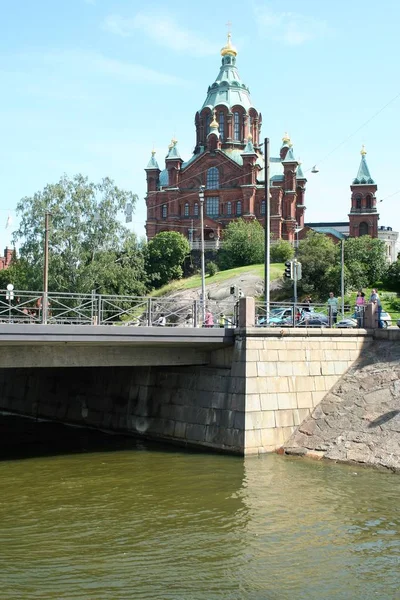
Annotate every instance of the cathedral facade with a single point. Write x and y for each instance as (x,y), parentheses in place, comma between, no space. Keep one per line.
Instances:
(228,163)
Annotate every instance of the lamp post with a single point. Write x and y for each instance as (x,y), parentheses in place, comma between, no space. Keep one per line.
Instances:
(9,297)
(342,275)
(203,269)
(267,229)
(295,273)
(46,266)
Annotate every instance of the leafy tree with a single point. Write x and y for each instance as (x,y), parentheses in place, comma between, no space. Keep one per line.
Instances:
(165,255)
(281,251)
(391,279)
(243,244)
(89,248)
(365,260)
(320,259)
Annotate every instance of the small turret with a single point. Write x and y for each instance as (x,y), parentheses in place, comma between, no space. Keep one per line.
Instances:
(173,162)
(153,173)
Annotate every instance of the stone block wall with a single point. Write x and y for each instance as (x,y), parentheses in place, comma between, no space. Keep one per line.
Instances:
(288,373)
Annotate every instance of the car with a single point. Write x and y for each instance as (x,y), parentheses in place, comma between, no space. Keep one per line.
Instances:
(352,321)
(398,323)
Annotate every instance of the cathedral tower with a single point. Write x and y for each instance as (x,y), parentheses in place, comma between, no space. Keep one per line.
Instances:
(363,213)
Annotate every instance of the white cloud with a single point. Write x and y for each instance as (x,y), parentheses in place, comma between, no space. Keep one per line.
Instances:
(163,30)
(288,27)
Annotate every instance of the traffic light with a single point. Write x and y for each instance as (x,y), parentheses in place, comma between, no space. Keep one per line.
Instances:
(289,269)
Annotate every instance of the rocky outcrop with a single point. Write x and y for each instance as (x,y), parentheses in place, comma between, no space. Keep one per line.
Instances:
(359,420)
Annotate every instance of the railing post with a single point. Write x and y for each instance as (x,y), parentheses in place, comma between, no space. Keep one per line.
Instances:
(149,309)
(195,314)
(99,310)
(247,312)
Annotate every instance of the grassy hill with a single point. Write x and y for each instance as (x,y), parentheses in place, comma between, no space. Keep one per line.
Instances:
(220,277)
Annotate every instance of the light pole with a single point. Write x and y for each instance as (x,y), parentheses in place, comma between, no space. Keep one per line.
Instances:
(203,269)
(295,273)
(267,228)
(342,276)
(9,297)
(46,266)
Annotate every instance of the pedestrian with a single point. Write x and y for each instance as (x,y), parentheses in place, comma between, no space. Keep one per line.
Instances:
(161,321)
(333,307)
(374,298)
(209,320)
(188,320)
(307,304)
(222,320)
(360,307)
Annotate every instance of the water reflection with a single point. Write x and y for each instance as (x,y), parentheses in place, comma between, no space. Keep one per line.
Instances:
(144,521)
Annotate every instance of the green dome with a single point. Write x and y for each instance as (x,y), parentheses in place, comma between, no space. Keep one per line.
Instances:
(228,88)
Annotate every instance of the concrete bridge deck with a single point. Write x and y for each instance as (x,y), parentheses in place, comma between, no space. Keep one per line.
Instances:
(26,345)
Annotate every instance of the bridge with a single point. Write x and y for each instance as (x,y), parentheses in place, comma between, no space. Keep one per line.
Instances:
(242,389)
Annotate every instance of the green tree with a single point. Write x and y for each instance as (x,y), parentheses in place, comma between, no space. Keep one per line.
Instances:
(391,279)
(320,259)
(165,255)
(243,244)
(365,260)
(281,251)
(89,247)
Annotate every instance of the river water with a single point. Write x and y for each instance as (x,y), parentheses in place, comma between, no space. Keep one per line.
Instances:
(84,515)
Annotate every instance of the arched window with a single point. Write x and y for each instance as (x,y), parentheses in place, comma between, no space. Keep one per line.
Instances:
(164,212)
(236,126)
(208,121)
(186,213)
(212,206)
(262,207)
(221,123)
(251,125)
(358,202)
(229,209)
(196,210)
(213,178)
(369,201)
(363,229)
(238,208)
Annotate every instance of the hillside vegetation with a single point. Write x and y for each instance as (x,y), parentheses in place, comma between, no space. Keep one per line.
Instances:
(221,277)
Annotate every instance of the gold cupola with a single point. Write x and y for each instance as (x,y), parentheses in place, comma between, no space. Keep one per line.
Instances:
(228,49)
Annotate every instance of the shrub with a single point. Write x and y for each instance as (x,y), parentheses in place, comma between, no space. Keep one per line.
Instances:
(211,268)
(281,251)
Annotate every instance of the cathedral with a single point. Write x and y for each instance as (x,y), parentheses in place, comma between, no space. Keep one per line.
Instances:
(228,162)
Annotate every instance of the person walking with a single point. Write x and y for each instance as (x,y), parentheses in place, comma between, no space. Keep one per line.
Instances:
(360,307)
(374,298)
(209,320)
(333,307)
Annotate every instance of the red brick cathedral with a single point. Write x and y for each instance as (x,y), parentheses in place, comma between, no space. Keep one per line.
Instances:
(228,161)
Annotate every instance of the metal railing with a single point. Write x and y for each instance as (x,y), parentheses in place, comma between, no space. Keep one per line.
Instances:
(102,309)
(287,314)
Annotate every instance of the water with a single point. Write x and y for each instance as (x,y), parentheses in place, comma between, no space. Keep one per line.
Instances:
(88,516)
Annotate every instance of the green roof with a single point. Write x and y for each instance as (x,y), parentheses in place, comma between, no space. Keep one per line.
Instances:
(228,89)
(289,158)
(173,152)
(329,230)
(152,164)
(249,149)
(299,173)
(363,175)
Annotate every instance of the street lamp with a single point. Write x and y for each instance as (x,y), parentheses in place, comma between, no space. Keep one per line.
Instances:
(267,229)
(203,269)
(46,265)
(9,297)
(295,272)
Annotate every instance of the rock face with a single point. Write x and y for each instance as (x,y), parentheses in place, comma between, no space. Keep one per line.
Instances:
(359,420)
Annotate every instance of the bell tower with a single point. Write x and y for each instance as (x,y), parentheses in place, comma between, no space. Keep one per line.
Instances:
(363,213)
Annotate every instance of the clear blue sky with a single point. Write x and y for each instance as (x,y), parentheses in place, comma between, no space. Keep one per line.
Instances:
(90,85)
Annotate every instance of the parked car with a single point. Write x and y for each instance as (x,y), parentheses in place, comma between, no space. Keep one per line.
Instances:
(352,321)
